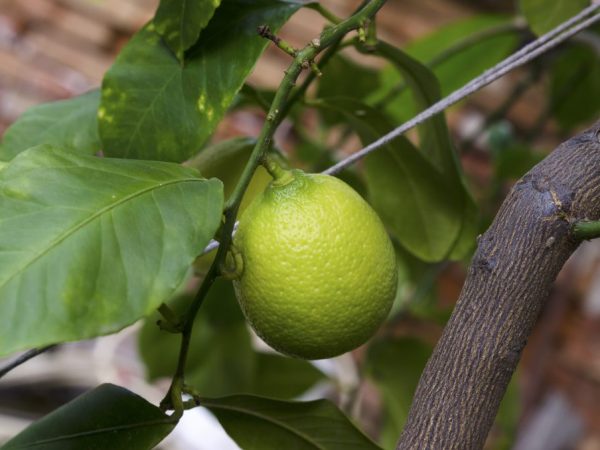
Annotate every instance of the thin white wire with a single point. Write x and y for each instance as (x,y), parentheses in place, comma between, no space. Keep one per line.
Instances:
(529,52)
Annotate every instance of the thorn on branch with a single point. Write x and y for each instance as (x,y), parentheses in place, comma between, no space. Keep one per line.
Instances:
(265,32)
(315,69)
(362,31)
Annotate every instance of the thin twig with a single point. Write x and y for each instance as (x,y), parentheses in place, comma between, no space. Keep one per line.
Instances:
(24,358)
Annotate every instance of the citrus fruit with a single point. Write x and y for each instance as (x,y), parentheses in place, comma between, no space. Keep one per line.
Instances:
(317,271)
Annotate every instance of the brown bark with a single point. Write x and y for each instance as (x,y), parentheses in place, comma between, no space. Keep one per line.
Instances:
(509,279)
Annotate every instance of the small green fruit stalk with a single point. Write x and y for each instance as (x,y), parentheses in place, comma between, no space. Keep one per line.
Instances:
(318,270)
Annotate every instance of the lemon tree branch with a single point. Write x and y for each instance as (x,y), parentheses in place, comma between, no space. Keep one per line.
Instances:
(302,60)
(508,282)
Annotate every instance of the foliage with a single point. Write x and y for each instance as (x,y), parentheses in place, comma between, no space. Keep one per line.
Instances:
(132,424)
(543,15)
(108,198)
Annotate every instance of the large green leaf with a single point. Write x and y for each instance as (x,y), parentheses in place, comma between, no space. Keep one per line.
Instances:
(421,210)
(420,207)
(221,360)
(153,107)
(89,245)
(437,144)
(106,418)
(258,423)
(395,366)
(69,124)
(435,137)
(345,78)
(543,15)
(180,22)
(575,86)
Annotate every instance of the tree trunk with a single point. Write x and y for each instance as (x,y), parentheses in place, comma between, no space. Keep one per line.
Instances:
(509,279)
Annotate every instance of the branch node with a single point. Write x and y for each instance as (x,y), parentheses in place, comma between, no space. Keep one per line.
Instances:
(265,32)
(362,31)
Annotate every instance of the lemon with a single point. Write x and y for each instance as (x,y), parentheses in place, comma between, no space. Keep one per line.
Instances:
(318,271)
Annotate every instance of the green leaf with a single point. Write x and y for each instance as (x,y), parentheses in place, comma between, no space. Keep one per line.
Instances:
(258,423)
(513,162)
(417,288)
(153,107)
(420,207)
(251,96)
(437,145)
(283,377)
(395,366)
(221,360)
(180,22)
(435,137)
(543,15)
(69,124)
(344,78)
(89,245)
(226,161)
(574,86)
(225,364)
(453,55)
(421,210)
(106,418)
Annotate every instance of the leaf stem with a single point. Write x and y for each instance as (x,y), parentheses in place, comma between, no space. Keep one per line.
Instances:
(586,229)
(280,105)
(280,175)
(324,12)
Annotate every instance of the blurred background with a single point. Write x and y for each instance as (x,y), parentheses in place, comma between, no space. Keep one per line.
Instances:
(55,49)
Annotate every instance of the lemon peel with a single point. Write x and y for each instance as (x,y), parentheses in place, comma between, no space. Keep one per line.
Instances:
(319,271)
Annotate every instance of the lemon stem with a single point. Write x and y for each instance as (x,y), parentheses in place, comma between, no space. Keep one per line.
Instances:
(280,175)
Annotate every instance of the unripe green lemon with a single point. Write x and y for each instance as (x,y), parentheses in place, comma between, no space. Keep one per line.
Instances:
(318,273)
